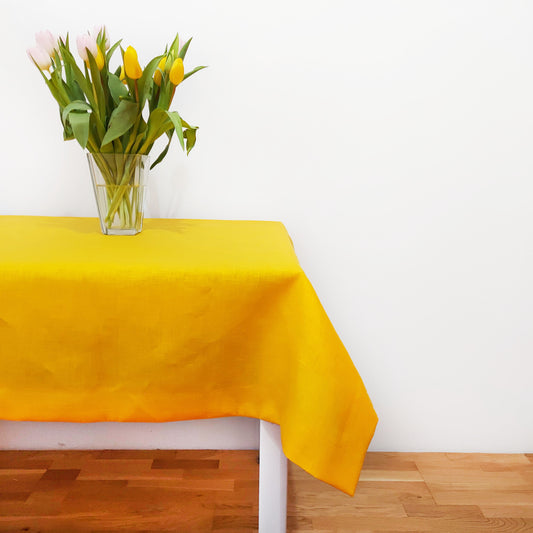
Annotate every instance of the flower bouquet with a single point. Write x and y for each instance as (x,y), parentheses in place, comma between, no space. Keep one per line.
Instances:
(103,110)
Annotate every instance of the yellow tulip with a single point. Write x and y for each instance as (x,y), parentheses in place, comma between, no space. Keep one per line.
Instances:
(100,62)
(176,71)
(157,73)
(131,64)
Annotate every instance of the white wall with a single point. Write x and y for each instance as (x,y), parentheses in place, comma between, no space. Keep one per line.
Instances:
(393,138)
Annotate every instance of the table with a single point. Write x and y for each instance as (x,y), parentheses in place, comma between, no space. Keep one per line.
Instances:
(189,319)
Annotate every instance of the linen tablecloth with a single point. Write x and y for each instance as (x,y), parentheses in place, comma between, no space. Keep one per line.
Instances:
(189,319)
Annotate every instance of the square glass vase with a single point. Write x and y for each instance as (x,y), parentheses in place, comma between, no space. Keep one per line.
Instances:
(119,183)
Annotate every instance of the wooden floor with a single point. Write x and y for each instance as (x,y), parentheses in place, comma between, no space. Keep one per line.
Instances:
(204,491)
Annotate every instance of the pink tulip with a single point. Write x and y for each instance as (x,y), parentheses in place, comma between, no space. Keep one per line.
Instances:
(40,57)
(47,41)
(85,42)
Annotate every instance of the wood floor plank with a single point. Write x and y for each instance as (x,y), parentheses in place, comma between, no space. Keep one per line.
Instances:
(19,480)
(61,474)
(388,461)
(197,485)
(390,475)
(310,506)
(477,458)
(234,509)
(16,496)
(507,511)
(484,497)
(24,464)
(502,467)
(422,525)
(473,480)
(444,511)
(234,522)
(243,475)
(188,464)
(203,491)
(137,454)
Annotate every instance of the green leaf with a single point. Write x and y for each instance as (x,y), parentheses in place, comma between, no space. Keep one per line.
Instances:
(59,85)
(184,49)
(97,84)
(117,89)
(80,126)
(93,128)
(142,125)
(163,102)
(146,80)
(158,123)
(162,155)
(75,71)
(193,71)
(77,105)
(55,93)
(190,137)
(138,140)
(58,65)
(68,74)
(67,130)
(74,90)
(122,119)
(111,50)
(189,134)
(174,47)
(176,121)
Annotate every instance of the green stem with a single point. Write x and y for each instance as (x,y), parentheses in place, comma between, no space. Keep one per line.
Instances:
(121,189)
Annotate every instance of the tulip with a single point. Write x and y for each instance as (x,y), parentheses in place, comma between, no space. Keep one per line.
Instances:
(97,30)
(157,73)
(131,64)
(122,75)
(86,42)
(40,57)
(47,41)
(176,71)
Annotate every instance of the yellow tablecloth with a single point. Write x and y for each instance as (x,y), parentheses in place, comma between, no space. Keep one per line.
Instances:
(189,319)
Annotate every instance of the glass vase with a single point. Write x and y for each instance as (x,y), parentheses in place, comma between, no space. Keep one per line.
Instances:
(119,183)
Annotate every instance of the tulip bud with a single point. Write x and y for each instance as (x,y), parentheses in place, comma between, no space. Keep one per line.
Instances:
(47,41)
(122,75)
(157,73)
(86,42)
(131,64)
(39,56)
(176,72)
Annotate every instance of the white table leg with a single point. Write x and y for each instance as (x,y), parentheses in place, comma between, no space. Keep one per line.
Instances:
(272,480)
